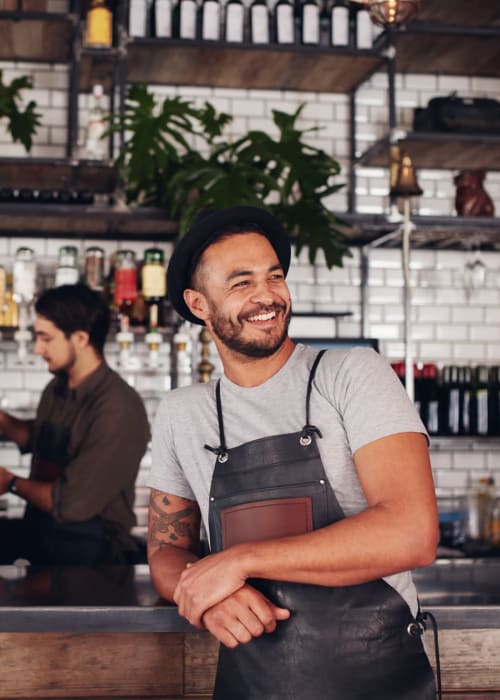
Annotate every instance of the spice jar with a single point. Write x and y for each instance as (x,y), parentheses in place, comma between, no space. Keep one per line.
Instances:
(67,265)
(24,275)
(94,268)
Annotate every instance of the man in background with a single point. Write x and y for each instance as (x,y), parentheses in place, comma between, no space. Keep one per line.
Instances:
(87,440)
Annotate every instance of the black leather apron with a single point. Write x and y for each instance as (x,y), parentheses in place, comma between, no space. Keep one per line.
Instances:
(340,643)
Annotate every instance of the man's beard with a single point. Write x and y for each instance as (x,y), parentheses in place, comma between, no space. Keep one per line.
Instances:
(229,333)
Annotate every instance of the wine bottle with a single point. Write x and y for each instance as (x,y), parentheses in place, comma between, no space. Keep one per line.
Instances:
(234,21)
(364,29)
(209,20)
(99,26)
(259,22)
(284,22)
(309,22)
(153,283)
(138,18)
(339,22)
(161,19)
(185,14)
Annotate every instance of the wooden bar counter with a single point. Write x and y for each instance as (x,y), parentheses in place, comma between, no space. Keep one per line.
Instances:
(93,633)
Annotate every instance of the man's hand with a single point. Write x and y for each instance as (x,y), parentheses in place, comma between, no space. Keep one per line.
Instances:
(5,477)
(242,616)
(207,582)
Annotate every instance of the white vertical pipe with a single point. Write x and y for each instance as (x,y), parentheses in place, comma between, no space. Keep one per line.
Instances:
(407,229)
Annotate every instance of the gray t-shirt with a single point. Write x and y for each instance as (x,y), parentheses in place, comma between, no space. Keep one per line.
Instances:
(356,398)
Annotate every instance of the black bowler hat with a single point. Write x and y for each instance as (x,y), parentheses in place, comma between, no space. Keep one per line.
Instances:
(206,227)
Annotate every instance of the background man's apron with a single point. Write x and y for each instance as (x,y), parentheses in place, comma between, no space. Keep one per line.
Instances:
(340,643)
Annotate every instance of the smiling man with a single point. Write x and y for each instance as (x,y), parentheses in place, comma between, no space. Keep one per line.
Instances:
(303,468)
(87,440)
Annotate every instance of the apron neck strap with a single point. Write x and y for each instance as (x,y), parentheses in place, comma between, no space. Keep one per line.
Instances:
(307,430)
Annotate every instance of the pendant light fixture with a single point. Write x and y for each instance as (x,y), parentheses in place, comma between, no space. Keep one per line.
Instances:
(406,184)
(391,12)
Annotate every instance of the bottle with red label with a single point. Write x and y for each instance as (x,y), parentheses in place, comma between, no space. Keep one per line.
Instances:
(125,283)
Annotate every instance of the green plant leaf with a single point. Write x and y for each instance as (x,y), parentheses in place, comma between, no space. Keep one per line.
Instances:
(21,124)
(175,156)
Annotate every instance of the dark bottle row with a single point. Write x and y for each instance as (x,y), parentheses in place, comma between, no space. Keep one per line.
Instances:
(30,196)
(457,400)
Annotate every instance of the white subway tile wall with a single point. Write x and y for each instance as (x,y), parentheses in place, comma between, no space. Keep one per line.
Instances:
(451,323)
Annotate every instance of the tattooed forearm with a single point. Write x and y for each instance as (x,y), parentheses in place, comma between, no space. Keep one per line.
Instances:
(169,526)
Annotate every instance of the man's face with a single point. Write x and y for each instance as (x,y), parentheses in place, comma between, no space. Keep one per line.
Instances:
(50,342)
(246,294)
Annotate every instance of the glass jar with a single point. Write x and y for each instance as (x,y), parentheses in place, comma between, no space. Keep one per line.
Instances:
(24,275)
(495,522)
(453,518)
(125,287)
(67,265)
(94,268)
(3,287)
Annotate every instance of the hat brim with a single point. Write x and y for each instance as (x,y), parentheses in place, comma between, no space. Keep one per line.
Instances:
(206,229)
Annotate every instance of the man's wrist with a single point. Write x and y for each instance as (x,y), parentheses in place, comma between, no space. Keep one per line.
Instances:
(12,485)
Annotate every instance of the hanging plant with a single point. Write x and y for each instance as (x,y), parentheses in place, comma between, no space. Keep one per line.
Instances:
(21,124)
(161,167)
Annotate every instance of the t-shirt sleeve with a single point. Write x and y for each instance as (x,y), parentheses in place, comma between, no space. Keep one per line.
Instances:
(371,399)
(166,472)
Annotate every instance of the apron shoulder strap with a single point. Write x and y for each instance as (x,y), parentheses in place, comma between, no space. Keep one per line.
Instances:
(308,428)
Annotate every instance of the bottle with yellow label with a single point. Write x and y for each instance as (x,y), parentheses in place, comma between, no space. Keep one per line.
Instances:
(154,283)
(99,26)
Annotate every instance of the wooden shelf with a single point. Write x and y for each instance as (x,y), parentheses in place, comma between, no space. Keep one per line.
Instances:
(440,150)
(66,221)
(175,62)
(451,37)
(460,12)
(430,232)
(97,66)
(45,173)
(37,37)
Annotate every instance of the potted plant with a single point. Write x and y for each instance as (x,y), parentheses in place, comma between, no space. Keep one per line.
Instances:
(21,124)
(161,166)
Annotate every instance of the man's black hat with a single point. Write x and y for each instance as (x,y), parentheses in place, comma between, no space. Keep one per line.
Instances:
(206,227)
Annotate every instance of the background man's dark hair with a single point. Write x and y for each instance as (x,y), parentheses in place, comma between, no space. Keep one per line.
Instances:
(76,307)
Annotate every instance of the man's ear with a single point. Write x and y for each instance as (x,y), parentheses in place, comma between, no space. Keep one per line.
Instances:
(81,338)
(197,303)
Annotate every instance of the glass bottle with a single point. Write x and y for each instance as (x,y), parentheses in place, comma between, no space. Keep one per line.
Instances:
(259,22)
(234,21)
(125,283)
(154,283)
(161,19)
(284,22)
(495,521)
(339,24)
(67,265)
(138,15)
(185,12)
(209,20)
(364,28)
(94,268)
(3,288)
(309,22)
(99,26)
(95,145)
(479,401)
(481,498)
(10,310)
(24,275)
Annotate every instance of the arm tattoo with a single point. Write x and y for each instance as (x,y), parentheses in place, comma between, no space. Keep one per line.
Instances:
(169,527)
